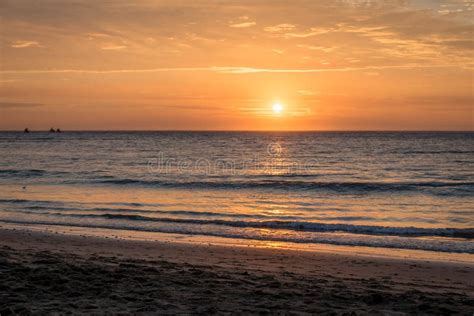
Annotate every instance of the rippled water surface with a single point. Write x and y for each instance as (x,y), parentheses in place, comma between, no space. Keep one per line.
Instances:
(390,190)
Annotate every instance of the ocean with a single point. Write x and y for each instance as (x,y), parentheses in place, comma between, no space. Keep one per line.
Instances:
(397,190)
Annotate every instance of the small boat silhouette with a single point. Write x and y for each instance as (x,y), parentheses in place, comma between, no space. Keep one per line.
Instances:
(26,130)
(58,130)
(52,130)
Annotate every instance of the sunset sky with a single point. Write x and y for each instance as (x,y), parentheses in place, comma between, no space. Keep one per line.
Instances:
(223,65)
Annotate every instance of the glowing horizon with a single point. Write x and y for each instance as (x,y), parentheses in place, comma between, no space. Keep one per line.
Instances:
(204,65)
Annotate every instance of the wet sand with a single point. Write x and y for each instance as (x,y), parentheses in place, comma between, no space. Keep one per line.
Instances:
(44,273)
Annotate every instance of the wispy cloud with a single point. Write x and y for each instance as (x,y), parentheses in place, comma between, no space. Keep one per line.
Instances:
(97,35)
(320,48)
(243,24)
(113,47)
(311,32)
(244,70)
(279,28)
(25,44)
(307,92)
(263,111)
(231,69)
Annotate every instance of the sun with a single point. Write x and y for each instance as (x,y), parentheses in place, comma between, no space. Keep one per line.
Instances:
(277,108)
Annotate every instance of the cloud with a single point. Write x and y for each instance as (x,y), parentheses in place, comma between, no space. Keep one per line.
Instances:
(462,44)
(113,47)
(112,42)
(366,4)
(394,32)
(279,28)
(25,44)
(246,70)
(320,48)
(243,24)
(311,32)
(307,92)
(98,35)
(457,9)
(264,111)
(235,70)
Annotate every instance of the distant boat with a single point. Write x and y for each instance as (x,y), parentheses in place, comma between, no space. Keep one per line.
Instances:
(58,130)
(26,130)
(52,130)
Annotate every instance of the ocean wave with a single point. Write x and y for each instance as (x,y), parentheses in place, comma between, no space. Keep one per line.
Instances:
(29,173)
(67,211)
(263,215)
(22,172)
(298,226)
(48,209)
(308,185)
(421,152)
(16,201)
(438,245)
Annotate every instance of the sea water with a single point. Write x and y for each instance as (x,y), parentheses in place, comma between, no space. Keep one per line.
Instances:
(405,190)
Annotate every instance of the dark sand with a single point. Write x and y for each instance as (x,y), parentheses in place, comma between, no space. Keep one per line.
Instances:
(43,273)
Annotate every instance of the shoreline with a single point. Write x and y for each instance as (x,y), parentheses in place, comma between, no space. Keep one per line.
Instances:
(364,251)
(132,275)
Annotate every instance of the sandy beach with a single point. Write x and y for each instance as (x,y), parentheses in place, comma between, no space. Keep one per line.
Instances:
(44,273)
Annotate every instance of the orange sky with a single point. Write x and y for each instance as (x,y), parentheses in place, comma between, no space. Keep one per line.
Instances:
(220,65)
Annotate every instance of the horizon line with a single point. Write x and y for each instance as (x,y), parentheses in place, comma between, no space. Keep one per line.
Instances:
(237,131)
